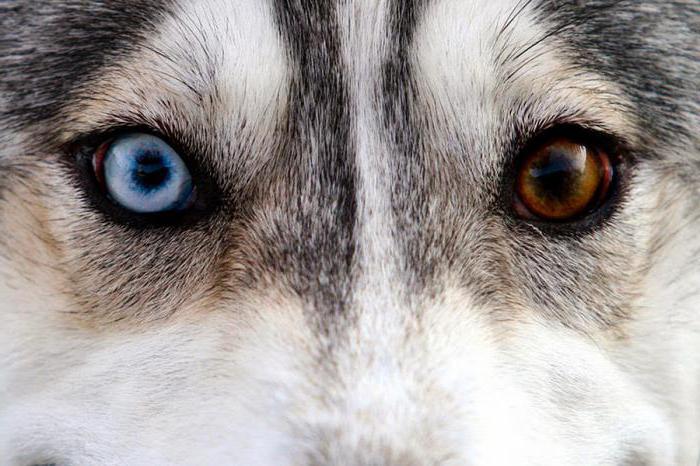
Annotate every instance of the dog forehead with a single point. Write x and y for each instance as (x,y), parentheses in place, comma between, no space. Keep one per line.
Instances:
(59,46)
(202,69)
(354,175)
(352,188)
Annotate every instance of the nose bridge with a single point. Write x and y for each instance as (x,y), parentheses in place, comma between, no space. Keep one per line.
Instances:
(400,394)
(364,35)
(379,300)
(345,161)
(375,405)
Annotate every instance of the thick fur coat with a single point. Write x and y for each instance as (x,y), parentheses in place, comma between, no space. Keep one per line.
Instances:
(357,290)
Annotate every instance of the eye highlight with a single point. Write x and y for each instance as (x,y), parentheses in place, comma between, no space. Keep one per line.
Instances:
(562,179)
(143,174)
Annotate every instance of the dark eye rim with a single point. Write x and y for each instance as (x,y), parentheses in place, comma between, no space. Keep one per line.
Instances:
(596,217)
(81,153)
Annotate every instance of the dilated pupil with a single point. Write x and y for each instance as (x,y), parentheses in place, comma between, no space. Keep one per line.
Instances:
(562,179)
(151,172)
(556,175)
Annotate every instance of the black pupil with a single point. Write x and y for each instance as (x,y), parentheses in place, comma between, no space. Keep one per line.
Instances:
(557,175)
(151,172)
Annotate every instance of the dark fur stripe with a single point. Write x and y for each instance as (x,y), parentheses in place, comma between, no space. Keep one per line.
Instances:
(321,255)
(655,62)
(49,49)
(410,186)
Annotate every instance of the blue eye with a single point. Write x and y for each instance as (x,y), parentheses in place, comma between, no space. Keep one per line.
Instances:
(143,174)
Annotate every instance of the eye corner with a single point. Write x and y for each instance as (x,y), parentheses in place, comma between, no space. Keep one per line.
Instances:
(97,162)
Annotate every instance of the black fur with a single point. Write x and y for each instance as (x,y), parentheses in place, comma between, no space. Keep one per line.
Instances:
(49,50)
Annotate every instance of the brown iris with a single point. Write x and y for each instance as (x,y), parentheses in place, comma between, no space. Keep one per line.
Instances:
(561,180)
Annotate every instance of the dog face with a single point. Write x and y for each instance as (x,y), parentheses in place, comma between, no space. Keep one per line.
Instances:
(354,283)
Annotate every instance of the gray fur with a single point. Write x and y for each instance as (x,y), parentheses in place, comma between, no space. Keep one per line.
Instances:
(292,206)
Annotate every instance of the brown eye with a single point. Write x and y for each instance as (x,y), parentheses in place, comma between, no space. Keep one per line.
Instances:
(561,180)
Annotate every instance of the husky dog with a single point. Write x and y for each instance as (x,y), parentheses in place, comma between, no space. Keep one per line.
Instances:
(351,232)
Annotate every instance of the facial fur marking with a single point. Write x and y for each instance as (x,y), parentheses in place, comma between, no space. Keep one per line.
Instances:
(358,294)
(70,50)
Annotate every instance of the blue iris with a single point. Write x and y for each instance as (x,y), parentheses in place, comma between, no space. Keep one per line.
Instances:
(145,175)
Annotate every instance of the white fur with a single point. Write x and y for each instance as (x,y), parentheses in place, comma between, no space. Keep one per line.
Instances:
(239,386)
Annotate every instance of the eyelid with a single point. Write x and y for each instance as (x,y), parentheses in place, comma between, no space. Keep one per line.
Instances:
(77,156)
